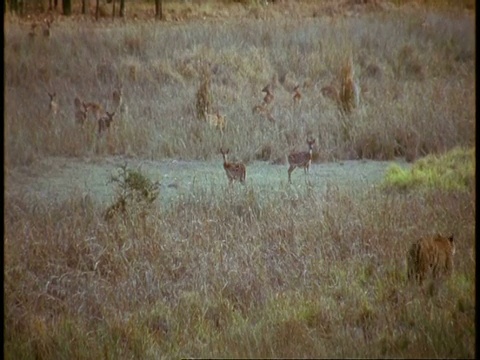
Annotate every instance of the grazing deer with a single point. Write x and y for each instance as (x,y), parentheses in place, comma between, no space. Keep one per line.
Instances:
(296,94)
(269,94)
(105,121)
(330,92)
(53,105)
(300,159)
(235,171)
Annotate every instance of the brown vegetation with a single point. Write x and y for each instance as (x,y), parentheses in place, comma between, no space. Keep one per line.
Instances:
(349,90)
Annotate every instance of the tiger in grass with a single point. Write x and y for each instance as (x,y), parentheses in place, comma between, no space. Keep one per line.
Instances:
(430,254)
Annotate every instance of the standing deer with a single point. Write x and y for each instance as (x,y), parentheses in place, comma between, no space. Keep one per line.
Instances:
(53,105)
(118,104)
(301,159)
(217,121)
(95,109)
(117,97)
(46,30)
(104,122)
(32,32)
(269,94)
(296,94)
(235,171)
(80,111)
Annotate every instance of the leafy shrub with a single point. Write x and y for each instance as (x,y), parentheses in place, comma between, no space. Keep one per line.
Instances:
(133,190)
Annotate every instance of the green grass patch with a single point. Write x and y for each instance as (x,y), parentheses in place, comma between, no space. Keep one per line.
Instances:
(454,170)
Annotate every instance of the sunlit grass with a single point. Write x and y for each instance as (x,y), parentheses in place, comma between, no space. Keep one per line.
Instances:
(454,170)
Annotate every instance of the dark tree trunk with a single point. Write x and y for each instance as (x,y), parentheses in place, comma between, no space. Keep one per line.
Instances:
(84,7)
(122,8)
(17,6)
(67,7)
(97,9)
(158,9)
(113,10)
(14,6)
(55,4)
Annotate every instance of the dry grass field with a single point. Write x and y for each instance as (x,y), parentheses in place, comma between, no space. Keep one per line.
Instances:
(123,238)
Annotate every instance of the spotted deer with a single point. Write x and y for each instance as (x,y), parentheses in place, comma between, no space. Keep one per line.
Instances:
(297,96)
(104,122)
(234,171)
(217,121)
(301,159)
(117,97)
(80,111)
(264,111)
(268,90)
(53,105)
(95,109)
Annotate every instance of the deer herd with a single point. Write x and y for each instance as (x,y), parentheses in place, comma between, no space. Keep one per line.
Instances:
(238,171)
(94,113)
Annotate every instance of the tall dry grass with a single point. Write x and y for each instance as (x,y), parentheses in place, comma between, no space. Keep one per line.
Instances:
(237,273)
(417,89)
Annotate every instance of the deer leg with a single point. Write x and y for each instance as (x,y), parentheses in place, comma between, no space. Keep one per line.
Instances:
(290,169)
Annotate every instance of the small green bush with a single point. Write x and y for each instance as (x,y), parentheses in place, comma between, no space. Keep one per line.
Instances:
(133,189)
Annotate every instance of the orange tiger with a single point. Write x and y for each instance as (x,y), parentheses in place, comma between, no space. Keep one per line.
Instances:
(433,254)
